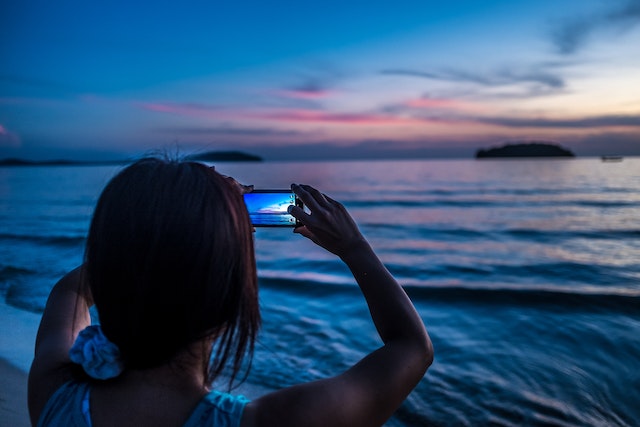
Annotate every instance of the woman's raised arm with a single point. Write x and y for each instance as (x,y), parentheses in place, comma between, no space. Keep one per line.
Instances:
(368,393)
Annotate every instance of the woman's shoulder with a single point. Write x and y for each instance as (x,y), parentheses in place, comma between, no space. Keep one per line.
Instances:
(218,409)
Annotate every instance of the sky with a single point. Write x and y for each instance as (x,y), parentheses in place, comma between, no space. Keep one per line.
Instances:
(90,80)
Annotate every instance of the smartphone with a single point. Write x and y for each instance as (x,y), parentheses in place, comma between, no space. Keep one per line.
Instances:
(268,208)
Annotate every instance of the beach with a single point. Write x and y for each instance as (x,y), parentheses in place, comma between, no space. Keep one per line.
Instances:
(13,396)
(16,350)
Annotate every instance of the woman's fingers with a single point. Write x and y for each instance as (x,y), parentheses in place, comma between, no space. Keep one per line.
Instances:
(329,224)
(298,213)
(307,197)
(320,198)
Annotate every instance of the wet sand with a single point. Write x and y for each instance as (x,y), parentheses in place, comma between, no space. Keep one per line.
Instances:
(13,396)
(17,339)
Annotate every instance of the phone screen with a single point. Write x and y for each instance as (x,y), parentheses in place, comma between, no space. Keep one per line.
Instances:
(268,208)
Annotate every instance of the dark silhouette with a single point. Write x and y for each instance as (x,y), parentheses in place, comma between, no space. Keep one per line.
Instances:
(225,156)
(530,149)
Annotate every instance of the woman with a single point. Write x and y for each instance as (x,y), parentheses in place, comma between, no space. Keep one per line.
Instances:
(170,266)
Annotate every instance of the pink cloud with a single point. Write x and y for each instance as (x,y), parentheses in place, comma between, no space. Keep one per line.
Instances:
(297,116)
(315,116)
(283,115)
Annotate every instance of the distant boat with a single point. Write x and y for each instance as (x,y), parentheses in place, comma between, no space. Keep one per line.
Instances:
(611,158)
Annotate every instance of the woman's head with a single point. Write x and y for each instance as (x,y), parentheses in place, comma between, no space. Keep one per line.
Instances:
(170,261)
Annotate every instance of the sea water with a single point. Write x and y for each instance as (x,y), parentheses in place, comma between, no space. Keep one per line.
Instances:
(525,272)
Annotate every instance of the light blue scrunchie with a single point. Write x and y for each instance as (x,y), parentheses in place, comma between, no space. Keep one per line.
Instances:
(99,357)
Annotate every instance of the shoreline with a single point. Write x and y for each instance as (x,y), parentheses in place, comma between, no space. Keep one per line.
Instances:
(17,341)
(18,337)
(13,396)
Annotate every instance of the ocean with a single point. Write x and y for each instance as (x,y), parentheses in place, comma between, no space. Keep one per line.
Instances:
(525,272)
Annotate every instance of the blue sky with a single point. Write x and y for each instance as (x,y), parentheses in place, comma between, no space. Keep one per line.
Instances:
(288,79)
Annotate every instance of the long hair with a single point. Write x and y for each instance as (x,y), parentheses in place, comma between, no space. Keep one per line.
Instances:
(169,261)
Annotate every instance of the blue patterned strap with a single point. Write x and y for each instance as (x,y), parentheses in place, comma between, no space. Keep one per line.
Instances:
(64,408)
(219,410)
(68,407)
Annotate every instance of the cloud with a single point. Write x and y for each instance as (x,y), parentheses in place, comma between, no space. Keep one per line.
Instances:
(291,115)
(427,102)
(500,77)
(8,139)
(303,93)
(537,80)
(230,131)
(442,109)
(312,88)
(312,82)
(573,34)
(579,123)
(315,116)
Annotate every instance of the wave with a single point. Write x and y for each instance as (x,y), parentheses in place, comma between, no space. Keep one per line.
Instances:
(489,202)
(554,272)
(420,203)
(426,231)
(454,191)
(10,272)
(575,298)
(44,240)
(527,234)
(602,203)
(616,299)
(600,299)
(572,234)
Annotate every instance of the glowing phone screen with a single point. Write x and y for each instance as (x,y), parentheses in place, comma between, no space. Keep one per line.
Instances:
(268,208)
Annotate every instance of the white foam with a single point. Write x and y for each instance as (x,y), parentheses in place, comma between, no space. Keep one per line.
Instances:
(18,336)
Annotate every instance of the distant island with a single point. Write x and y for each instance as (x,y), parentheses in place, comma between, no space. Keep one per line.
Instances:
(210,156)
(527,149)
(225,156)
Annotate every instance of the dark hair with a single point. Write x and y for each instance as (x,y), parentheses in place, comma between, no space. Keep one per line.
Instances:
(170,260)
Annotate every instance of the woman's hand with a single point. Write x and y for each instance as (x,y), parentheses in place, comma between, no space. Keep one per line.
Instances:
(329,224)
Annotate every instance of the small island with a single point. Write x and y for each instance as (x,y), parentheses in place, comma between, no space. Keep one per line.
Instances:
(225,156)
(527,149)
